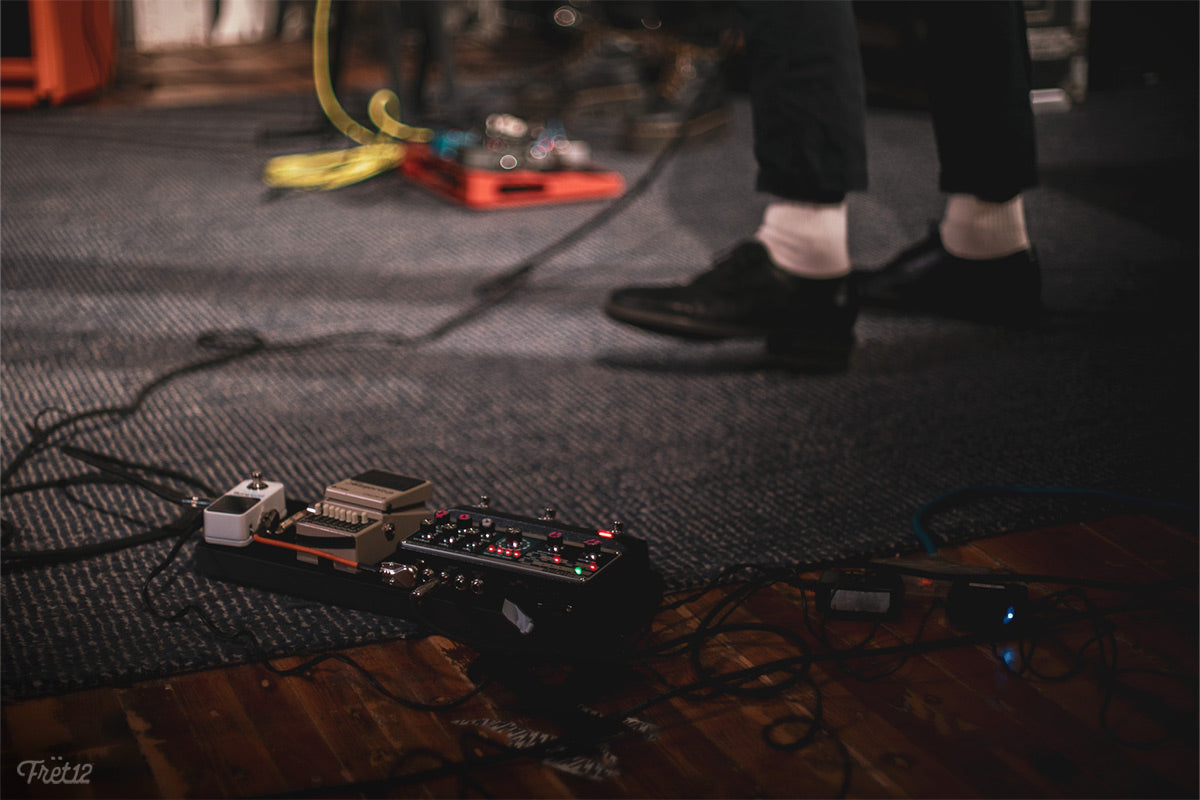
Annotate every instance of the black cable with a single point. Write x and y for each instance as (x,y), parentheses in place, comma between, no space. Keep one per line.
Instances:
(1045,613)
(112,513)
(90,479)
(258,652)
(115,471)
(709,684)
(737,683)
(40,437)
(1021,577)
(39,558)
(240,344)
(1072,605)
(957,496)
(127,471)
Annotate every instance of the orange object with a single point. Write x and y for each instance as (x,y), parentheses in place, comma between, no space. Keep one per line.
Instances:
(299,548)
(71,53)
(488,188)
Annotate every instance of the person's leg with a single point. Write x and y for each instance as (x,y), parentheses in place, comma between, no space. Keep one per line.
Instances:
(808,102)
(979,83)
(978,72)
(978,262)
(790,284)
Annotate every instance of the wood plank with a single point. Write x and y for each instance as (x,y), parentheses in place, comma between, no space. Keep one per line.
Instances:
(729,737)
(874,754)
(902,707)
(102,739)
(416,671)
(990,676)
(1114,556)
(84,735)
(36,727)
(1153,543)
(181,765)
(290,736)
(506,704)
(950,722)
(224,731)
(329,697)
(1059,752)
(42,741)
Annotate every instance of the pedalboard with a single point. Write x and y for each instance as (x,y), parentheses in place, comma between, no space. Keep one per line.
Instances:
(507,187)
(492,580)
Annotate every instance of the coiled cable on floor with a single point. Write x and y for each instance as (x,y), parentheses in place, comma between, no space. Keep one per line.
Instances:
(377,152)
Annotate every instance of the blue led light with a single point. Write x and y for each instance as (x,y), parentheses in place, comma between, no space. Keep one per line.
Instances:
(1011,658)
(1009,615)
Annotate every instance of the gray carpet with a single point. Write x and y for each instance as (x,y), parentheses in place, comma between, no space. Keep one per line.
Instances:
(126,235)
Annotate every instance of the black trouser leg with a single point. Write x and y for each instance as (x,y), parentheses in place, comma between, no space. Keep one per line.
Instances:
(806,91)
(978,72)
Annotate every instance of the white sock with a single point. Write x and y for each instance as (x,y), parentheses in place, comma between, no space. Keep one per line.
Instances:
(807,239)
(974,228)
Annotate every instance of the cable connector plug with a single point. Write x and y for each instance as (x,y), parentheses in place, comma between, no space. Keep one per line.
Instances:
(860,593)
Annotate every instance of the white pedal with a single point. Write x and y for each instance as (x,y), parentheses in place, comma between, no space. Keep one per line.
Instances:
(232,519)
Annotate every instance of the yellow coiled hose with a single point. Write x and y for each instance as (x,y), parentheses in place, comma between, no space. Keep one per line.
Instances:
(377,152)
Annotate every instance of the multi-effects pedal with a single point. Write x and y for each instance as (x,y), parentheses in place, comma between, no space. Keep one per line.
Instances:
(462,546)
(493,577)
(494,580)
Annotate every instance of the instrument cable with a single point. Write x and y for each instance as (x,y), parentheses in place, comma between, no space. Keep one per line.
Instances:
(238,345)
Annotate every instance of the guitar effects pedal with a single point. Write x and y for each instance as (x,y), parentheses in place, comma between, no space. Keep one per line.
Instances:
(496,581)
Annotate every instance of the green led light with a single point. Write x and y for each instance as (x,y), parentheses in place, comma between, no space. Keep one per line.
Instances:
(579,570)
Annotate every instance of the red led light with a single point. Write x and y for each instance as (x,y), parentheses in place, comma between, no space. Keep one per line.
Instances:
(491,548)
(516,553)
(593,567)
(558,559)
(605,534)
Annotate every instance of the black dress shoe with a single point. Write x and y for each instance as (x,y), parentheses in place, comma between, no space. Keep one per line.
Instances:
(808,323)
(927,279)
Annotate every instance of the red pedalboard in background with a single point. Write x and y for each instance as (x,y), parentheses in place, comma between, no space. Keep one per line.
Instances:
(495,188)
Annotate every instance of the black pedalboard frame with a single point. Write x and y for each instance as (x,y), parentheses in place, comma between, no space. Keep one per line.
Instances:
(492,580)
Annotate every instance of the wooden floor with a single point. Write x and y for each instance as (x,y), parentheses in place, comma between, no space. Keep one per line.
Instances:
(197,75)
(951,722)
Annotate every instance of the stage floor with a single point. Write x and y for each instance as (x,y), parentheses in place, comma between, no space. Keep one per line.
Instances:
(950,722)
